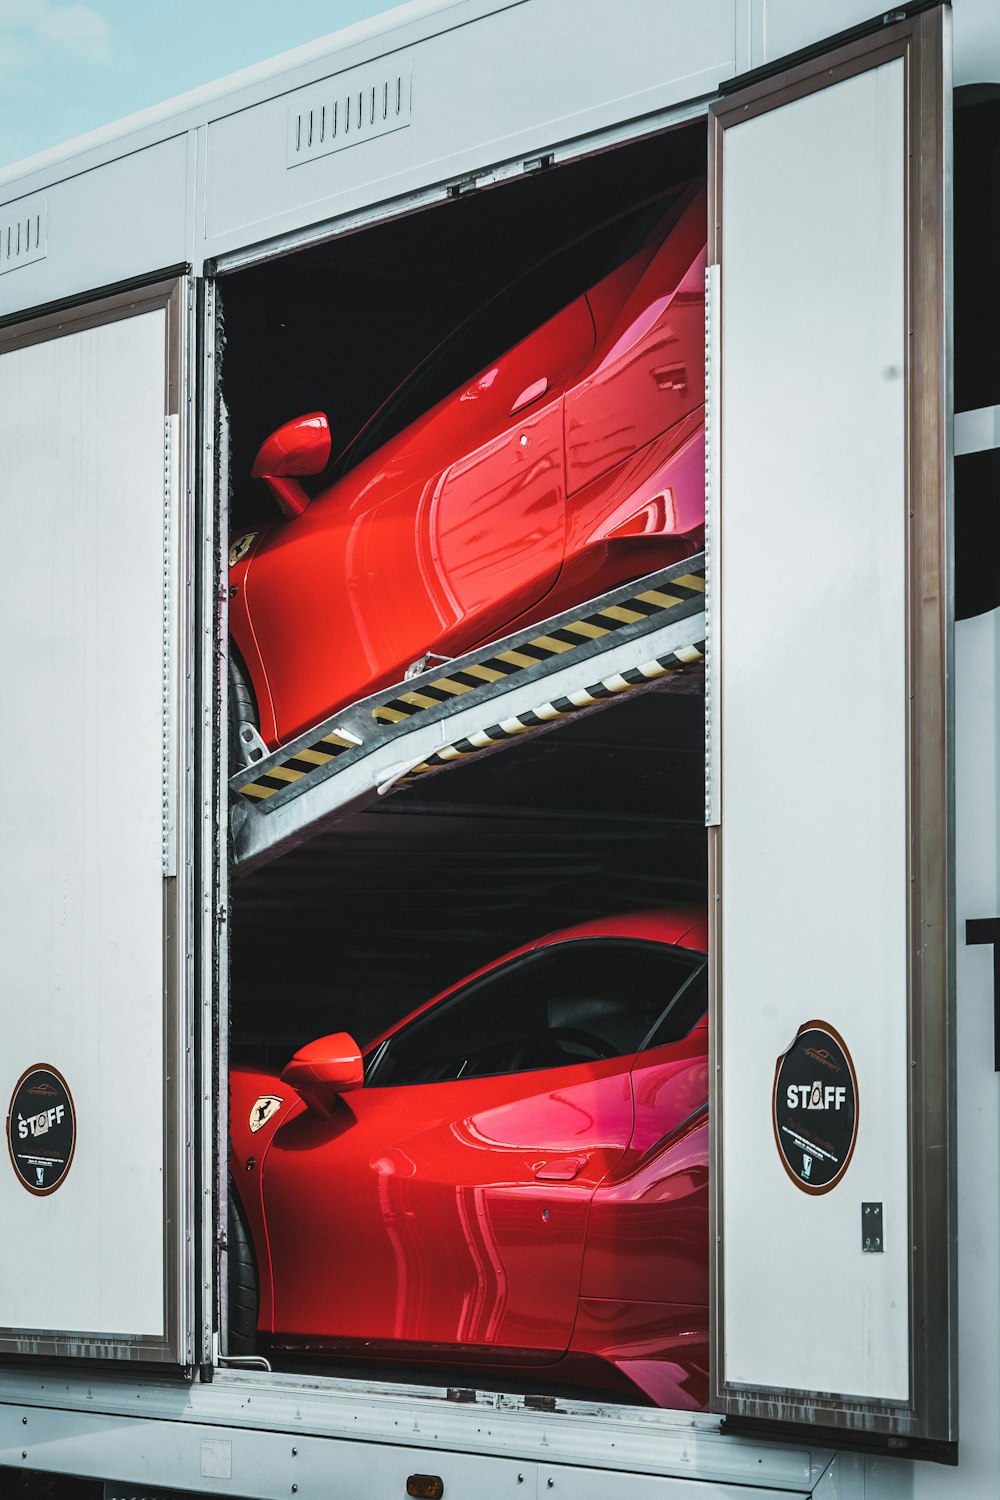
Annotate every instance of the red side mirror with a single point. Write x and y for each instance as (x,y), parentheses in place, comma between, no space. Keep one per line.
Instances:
(299,447)
(330,1066)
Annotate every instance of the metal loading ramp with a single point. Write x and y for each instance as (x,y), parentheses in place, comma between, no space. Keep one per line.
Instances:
(616,644)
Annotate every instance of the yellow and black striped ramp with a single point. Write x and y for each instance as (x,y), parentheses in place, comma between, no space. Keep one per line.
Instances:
(649,604)
(305,759)
(569,640)
(560,708)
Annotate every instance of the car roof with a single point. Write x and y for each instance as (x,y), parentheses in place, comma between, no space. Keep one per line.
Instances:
(684,926)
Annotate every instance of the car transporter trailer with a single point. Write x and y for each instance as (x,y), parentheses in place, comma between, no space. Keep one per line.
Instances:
(168,284)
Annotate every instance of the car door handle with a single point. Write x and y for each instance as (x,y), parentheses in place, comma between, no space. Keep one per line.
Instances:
(560,1169)
(531,393)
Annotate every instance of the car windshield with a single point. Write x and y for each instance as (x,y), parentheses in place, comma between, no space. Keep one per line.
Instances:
(508,318)
(573,1002)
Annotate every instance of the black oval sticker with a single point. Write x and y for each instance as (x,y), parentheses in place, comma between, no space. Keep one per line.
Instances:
(41,1129)
(815,1108)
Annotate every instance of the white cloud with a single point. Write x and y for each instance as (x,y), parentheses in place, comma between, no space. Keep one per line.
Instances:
(19,60)
(74,28)
(35,33)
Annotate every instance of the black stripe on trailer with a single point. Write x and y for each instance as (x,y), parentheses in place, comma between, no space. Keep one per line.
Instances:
(617,685)
(296,767)
(543,647)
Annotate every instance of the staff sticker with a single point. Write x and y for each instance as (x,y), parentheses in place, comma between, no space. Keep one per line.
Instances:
(814,1108)
(41,1129)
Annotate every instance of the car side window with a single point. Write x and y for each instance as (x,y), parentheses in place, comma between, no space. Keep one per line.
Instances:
(503,322)
(573,1002)
(683,1012)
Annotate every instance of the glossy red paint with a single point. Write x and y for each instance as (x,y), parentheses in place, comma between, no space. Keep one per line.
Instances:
(324,1070)
(662,1349)
(555,1217)
(648,366)
(567,465)
(299,447)
(649,1220)
(439,1224)
(247,1147)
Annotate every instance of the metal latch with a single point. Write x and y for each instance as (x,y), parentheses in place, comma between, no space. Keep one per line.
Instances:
(252,747)
(423,663)
(872,1239)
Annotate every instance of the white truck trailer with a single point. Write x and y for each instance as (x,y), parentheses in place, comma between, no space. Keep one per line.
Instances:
(169,287)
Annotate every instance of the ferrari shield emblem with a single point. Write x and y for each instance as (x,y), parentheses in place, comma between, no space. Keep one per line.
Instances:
(266,1106)
(241,547)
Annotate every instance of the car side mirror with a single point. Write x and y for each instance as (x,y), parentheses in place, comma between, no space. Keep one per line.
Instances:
(299,447)
(325,1068)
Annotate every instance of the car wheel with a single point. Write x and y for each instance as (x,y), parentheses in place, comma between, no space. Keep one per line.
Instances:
(242,1283)
(245,743)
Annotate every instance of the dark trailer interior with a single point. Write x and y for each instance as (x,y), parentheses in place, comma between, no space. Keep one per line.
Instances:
(599,815)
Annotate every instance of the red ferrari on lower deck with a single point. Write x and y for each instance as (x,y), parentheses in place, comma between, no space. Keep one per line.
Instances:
(515,1176)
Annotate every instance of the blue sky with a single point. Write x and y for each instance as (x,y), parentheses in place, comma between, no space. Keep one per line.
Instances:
(67,67)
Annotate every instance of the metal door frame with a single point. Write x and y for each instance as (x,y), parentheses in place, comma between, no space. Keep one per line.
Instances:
(922,41)
(175,297)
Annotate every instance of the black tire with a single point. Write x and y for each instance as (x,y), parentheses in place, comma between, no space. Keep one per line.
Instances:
(242,708)
(242,1283)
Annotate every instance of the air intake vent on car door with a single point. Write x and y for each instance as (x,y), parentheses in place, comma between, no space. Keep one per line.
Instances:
(346,110)
(23,233)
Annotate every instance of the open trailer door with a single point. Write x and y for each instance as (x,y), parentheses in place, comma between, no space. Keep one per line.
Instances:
(834,1272)
(94,966)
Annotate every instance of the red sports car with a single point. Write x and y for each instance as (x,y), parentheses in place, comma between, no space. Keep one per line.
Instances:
(494,488)
(513,1176)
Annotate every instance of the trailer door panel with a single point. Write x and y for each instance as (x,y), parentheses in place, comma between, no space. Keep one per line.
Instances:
(91,993)
(829,627)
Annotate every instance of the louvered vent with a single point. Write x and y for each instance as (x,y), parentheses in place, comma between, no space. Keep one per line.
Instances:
(23,233)
(347,110)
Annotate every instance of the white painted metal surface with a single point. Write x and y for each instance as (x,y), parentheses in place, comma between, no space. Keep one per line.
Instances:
(977,895)
(778,27)
(169,186)
(348,110)
(976,431)
(24,232)
(81,449)
(813,782)
(603,67)
(355,1429)
(133,218)
(977,42)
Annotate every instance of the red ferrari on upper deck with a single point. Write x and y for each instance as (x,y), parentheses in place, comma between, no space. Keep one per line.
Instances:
(550,449)
(513,1176)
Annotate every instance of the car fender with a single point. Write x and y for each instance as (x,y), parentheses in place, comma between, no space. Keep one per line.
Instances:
(254,1118)
(647,1236)
(242,553)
